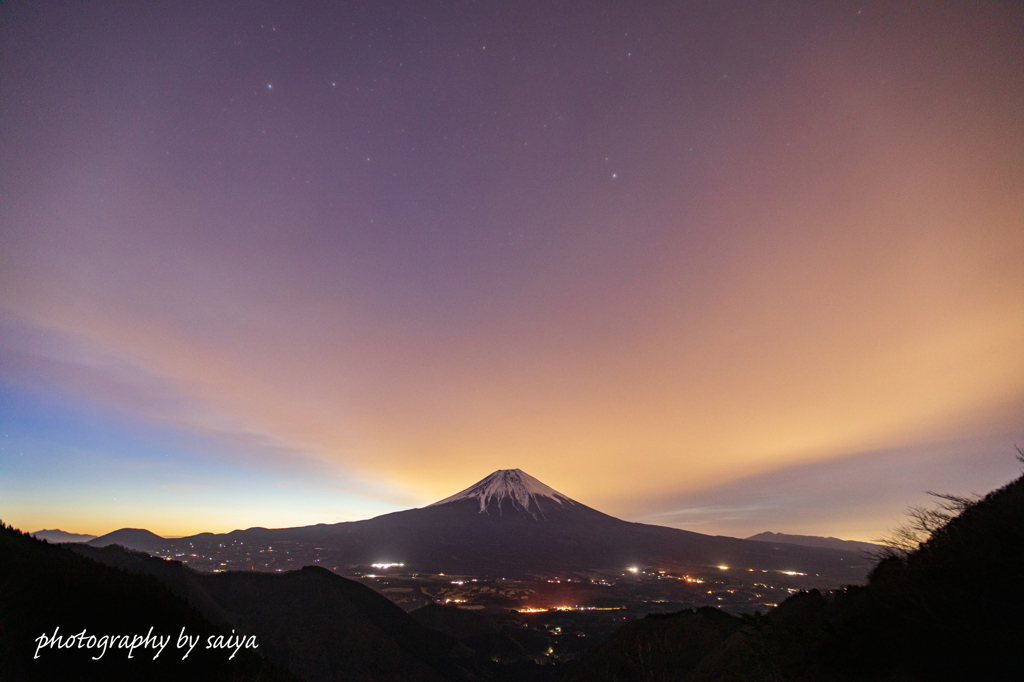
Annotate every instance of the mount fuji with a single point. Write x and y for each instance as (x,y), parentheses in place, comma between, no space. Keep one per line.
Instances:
(513,491)
(511,524)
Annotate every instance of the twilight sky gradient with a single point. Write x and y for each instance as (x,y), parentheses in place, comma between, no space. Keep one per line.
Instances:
(729,266)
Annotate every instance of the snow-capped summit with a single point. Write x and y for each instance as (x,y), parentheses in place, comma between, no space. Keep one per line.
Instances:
(510,489)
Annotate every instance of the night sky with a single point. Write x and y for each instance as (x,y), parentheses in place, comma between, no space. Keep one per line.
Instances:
(730,266)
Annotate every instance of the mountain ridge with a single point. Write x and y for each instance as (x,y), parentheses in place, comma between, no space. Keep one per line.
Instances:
(528,529)
(817,541)
(132,538)
(58,535)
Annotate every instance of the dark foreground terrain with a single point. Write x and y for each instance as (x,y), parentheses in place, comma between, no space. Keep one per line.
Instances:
(47,589)
(948,610)
(309,624)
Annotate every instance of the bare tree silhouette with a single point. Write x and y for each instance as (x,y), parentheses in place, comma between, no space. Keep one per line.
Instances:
(922,523)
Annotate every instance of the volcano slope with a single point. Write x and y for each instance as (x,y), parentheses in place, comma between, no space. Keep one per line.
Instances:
(512,525)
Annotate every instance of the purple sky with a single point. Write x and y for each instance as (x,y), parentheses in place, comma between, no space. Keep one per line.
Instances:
(733,267)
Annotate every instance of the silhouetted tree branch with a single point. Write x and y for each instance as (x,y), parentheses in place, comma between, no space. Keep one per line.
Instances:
(922,523)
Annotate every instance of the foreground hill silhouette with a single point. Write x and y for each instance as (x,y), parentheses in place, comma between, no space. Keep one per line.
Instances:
(312,622)
(44,587)
(950,610)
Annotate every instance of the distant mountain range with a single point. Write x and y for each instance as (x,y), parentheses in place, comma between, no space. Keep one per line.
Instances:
(816,541)
(510,524)
(57,535)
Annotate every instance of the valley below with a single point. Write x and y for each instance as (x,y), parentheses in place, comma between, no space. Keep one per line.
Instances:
(570,611)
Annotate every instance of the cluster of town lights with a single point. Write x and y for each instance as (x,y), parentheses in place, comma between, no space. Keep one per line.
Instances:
(723,567)
(535,609)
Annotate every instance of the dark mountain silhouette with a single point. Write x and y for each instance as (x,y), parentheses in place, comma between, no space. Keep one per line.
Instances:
(508,651)
(47,589)
(817,541)
(311,621)
(132,538)
(511,524)
(658,647)
(485,634)
(947,611)
(324,627)
(57,535)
